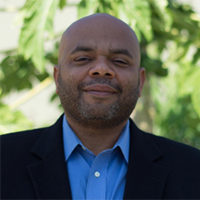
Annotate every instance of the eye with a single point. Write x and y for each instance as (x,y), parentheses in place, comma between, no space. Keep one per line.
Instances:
(120,61)
(82,59)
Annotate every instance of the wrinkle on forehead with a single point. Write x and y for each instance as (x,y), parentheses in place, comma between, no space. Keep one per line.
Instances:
(98,28)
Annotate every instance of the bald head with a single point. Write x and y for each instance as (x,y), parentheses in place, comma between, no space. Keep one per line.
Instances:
(99,79)
(98,28)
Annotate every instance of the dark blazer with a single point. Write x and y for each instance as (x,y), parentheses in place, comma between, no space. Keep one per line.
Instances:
(33,166)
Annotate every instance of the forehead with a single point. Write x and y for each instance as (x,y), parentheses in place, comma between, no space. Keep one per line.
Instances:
(100,34)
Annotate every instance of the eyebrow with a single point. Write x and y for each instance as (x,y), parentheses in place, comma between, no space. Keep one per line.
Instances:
(113,51)
(121,51)
(82,48)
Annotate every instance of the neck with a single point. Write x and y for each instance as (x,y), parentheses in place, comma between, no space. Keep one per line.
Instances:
(97,140)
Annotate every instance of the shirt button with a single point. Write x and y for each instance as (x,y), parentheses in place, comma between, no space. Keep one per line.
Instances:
(97,174)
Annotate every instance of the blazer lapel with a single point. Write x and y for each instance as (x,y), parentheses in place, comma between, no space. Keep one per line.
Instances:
(49,173)
(145,177)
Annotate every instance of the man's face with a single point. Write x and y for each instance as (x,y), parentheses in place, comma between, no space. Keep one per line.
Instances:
(99,79)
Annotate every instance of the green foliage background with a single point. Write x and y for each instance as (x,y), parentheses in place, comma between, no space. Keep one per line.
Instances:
(169,35)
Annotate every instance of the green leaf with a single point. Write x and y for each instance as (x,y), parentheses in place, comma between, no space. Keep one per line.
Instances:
(62,4)
(196,100)
(183,20)
(153,65)
(12,120)
(86,7)
(135,13)
(38,20)
(122,13)
(191,81)
(18,74)
(196,57)
(140,14)
(162,12)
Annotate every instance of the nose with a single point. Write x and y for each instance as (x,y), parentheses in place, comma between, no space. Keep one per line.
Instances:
(101,69)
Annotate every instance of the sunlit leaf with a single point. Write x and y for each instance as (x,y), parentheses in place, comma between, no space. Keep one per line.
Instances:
(164,15)
(86,7)
(62,3)
(12,120)
(122,13)
(19,74)
(191,81)
(141,13)
(196,57)
(196,100)
(38,19)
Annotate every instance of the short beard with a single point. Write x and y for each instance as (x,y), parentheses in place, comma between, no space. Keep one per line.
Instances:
(94,116)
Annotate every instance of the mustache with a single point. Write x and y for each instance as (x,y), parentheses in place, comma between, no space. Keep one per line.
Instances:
(100,80)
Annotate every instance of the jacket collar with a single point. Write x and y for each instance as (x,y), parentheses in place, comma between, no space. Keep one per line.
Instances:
(145,177)
(49,174)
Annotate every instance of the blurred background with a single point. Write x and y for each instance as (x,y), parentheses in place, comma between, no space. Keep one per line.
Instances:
(169,35)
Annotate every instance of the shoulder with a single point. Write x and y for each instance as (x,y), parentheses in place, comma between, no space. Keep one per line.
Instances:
(172,153)
(182,160)
(19,143)
(175,148)
(28,137)
(13,143)
(165,145)
(21,135)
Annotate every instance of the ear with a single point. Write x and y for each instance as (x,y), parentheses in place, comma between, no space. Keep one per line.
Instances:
(142,80)
(56,73)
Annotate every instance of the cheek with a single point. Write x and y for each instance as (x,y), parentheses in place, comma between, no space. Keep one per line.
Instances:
(76,74)
(127,78)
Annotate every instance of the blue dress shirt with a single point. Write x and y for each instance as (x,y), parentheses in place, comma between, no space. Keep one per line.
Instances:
(96,177)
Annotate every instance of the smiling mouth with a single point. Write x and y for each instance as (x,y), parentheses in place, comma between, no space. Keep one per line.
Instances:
(100,90)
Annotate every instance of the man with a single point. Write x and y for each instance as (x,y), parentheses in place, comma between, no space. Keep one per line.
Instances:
(94,151)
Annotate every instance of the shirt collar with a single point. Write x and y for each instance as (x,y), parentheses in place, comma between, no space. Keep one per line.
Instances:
(71,141)
(123,141)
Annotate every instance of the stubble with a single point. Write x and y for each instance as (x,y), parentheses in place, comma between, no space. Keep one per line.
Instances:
(97,115)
